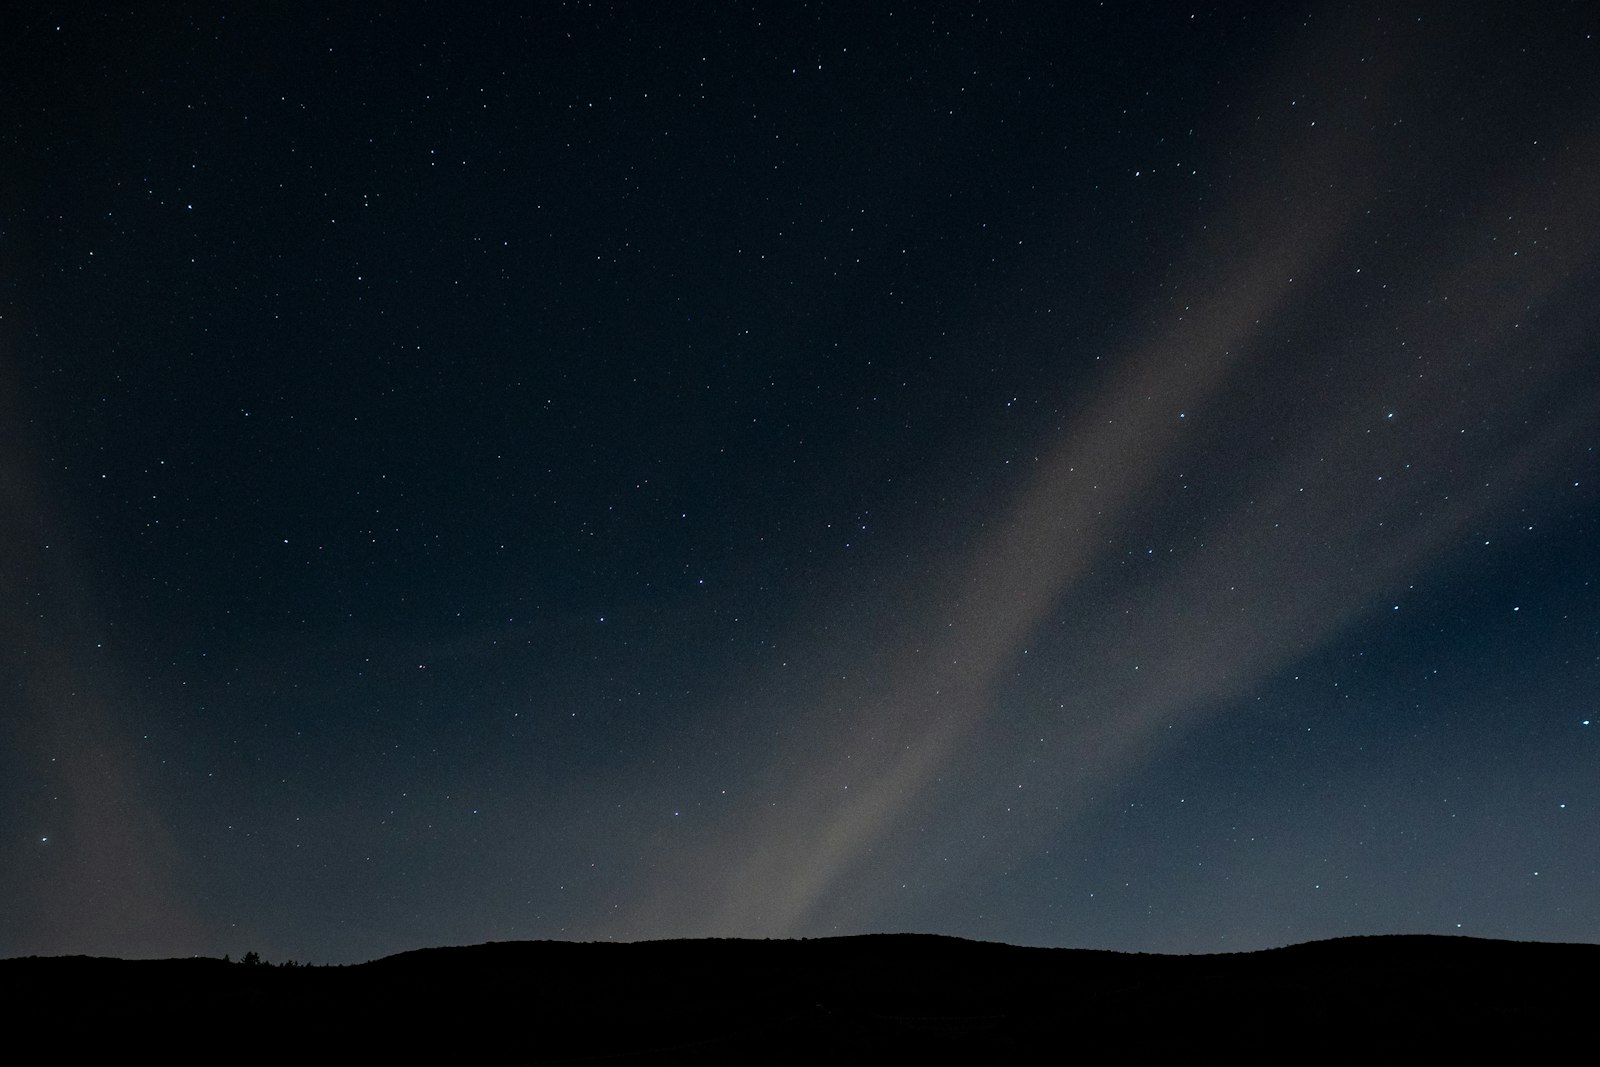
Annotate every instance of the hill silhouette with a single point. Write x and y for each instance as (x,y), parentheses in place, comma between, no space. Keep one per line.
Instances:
(847,999)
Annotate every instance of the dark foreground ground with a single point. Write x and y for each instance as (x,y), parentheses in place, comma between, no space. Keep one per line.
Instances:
(855,999)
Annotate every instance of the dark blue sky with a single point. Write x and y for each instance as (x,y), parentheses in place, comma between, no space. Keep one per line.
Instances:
(1123,478)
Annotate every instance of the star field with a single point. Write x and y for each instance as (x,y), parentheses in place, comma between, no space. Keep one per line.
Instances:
(1121,477)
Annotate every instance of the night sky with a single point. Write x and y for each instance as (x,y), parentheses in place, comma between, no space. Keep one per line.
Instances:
(1122,476)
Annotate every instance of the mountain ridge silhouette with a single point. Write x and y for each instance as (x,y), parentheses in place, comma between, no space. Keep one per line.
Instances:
(846,999)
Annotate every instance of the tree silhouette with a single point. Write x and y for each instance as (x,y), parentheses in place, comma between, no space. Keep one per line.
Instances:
(250,959)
